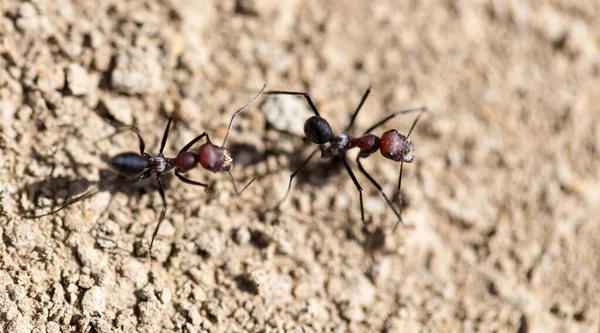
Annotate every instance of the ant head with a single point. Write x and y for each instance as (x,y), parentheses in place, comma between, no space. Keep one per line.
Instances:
(214,158)
(396,147)
(129,164)
(317,129)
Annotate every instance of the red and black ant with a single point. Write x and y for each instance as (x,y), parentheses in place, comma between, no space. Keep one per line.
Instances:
(392,145)
(137,166)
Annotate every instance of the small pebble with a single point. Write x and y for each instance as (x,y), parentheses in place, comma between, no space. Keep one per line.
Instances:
(362,290)
(52,327)
(242,236)
(210,243)
(286,113)
(149,311)
(78,80)
(93,301)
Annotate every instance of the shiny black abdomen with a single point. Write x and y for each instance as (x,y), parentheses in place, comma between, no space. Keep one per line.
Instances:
(129,164)
(317,129)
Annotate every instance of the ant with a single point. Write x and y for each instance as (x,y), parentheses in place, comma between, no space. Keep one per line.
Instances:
(137,166)
(392,145)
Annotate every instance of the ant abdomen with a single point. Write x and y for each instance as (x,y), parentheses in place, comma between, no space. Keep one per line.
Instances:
(129,164)
(317,129)
(368,144)
(396,147)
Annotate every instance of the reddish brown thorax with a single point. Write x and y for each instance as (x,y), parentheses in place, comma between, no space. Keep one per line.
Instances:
(368,144)
(186,161)
(396,147)
(214,158)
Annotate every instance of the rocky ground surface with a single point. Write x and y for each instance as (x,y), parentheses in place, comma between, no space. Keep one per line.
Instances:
(503,197)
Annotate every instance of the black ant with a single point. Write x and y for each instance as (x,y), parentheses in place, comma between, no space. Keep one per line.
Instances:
(393,145)
(137,166)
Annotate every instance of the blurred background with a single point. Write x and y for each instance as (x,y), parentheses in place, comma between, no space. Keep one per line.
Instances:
(503,196)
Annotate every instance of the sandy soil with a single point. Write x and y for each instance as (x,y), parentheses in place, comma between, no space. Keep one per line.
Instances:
(503,196)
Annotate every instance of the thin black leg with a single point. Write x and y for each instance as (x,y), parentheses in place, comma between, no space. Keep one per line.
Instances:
(162,215)
(119,124)
(191,143)
(240,110)
(140,140)
(386,119)
(295,93)
(380,189)
(163,142)
(235,186)
(358,187)
(294,175)
(187,180)
(362,101)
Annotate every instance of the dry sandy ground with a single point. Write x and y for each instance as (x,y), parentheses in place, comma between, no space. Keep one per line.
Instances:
(503,196)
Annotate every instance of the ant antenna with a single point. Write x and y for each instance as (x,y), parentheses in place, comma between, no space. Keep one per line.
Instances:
(414,123)
(401,169)
(240,110)
(235,186)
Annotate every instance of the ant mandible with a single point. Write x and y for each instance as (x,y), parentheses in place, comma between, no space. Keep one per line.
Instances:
(137,166)
(392,145)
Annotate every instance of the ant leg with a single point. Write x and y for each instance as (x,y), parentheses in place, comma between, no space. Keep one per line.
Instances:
(386,119)
(240,110)
(161,218)
(360,189)
(188,181)
(362,101)
(235,186)
(380,189)
(141,141)
(295,93)
(191,143)
(163,142)
(118,123)
(295,173)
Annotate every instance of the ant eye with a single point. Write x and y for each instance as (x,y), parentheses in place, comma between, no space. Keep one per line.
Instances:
(318,130)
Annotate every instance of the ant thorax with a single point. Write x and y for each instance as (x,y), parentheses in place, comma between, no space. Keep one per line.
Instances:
(160,164)
(339,143)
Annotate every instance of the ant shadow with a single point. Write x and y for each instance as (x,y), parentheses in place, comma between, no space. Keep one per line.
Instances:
(77,189)
(314,173)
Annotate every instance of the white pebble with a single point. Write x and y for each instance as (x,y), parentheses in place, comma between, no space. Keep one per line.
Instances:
(94,301)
